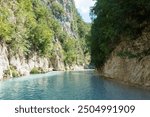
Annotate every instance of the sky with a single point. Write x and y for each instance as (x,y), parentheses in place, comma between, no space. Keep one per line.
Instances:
(83,7)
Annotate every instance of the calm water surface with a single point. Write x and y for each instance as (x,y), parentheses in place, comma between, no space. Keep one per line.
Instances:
(83,85)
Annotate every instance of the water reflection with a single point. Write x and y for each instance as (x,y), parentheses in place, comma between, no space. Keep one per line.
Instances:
(68,85)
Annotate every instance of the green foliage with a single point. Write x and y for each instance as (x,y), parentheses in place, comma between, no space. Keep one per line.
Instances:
(70,51)
(41,39)
(62,37)
(5,31)
(112,20)
(6,74)
(41,12)
(33,26)
(11,72)
(128,54)
(25,5)
(83,28)
(14,72)
(83,43)
(36,70)
(55,27)
(5,27)
(57,9)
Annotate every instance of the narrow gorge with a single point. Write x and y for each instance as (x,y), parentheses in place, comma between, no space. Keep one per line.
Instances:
(47,48)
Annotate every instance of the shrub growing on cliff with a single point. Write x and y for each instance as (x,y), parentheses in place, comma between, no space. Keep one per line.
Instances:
(57,9)
(6,28)
(70,51)
(11,72)
(41,39)
(36,70)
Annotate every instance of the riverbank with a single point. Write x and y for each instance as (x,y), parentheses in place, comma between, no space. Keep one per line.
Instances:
(130,62)
(76,69)
(21,65)
(122,82)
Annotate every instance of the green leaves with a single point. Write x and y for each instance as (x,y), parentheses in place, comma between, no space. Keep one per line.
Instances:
(43,39)
(29,26)
(57,9)
(6,27)
(5,30)
(70,50)
(113,19)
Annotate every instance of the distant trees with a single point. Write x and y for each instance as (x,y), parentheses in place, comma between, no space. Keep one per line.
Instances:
(113,19)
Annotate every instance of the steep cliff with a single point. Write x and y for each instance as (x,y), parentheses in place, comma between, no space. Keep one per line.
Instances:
(120,44)
(130,61)
(42,35)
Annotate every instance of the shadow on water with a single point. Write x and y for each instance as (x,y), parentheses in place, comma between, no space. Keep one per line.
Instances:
(81,85)
(111,90)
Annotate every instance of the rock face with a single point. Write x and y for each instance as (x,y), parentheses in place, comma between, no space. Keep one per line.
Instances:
(130,62)
(67,18)
(22,65)
(4,63)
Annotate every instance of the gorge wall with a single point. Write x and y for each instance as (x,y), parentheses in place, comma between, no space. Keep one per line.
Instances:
(40,34)
(130,61)
(120,44)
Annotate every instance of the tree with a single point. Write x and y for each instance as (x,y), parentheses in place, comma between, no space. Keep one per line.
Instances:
(6,28)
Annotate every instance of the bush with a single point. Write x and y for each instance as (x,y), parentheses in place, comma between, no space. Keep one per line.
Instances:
(58,9)
(14,71)
(11,72)
(5,27)
(70,51)
(36,70)
(6,73)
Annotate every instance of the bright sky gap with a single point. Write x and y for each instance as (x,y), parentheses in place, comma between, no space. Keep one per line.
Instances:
(83,7)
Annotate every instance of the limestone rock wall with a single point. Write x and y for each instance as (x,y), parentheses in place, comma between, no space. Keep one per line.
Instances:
(133,65)
(4,63)
(22,64)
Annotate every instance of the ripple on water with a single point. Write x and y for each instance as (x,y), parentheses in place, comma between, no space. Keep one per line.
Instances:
(71,85)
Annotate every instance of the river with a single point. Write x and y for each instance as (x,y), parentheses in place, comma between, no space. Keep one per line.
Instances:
(73,85)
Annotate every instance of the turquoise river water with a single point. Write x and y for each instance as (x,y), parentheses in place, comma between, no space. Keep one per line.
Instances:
(74,85)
